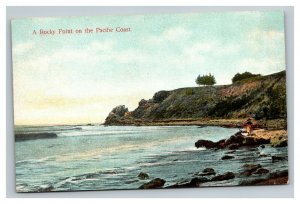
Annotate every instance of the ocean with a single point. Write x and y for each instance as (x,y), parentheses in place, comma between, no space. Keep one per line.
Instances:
(111,157)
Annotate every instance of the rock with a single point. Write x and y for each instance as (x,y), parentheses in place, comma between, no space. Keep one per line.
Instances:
(251,182)
(209,170)
(205,143)
(275,178)
(262,146)
(278,174)
(220,144)
(226,176)
(143,176)
(234,146)
(263,155)
(155,183)
(233,142)
(250,168)
(237,138)
(195,182)
(227,157)
(278,158)
(261,171)
(46,189)
(34,136)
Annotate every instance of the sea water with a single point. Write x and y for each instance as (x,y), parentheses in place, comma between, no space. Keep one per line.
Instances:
(111,157)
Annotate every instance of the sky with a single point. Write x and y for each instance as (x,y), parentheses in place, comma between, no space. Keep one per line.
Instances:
(79,78)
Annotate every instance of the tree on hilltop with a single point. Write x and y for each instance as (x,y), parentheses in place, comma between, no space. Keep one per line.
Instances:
(206,80)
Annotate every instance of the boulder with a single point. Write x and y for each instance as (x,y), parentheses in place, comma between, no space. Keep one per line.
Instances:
(234,142)
(261,171)
(155,183)
(278,158)
(237,138)
(250,168)
(220,144)
(46,189)
(143,176)
(195,182)
(34,136)
(209,171)
(205,143)
(226,176)
(227,157)
(234,146)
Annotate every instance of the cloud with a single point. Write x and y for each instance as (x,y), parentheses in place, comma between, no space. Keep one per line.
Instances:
(254,65)
(23,48)
(176,35)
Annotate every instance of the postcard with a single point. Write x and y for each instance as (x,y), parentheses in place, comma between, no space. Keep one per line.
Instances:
(185,100)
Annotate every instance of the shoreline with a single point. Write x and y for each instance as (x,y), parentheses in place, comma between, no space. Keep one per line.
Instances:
(275,124)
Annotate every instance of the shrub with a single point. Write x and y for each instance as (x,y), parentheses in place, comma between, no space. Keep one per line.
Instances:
(245,75)
(206,80)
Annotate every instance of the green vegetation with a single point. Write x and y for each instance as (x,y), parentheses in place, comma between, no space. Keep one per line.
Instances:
(206,80)
(245,75)
(275,107)
(189,91)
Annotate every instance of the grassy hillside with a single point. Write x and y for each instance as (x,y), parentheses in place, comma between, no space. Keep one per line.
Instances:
(262,96)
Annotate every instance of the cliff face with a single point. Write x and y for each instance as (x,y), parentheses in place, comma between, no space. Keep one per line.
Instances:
(263,96)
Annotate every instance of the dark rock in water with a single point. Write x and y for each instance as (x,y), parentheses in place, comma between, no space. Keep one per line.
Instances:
(155,183)
(143,176)
(195,182)
(263,155)
(220,144)
(250,182)
(205,143)
(275,178)
(234,146)
(46,189)
(209,170)
(226,176)
(237,138)
(34,136)
(262,146)
(227,157)
(234,142)
(261,171)
(250,168)
(279,174)
(278,158)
